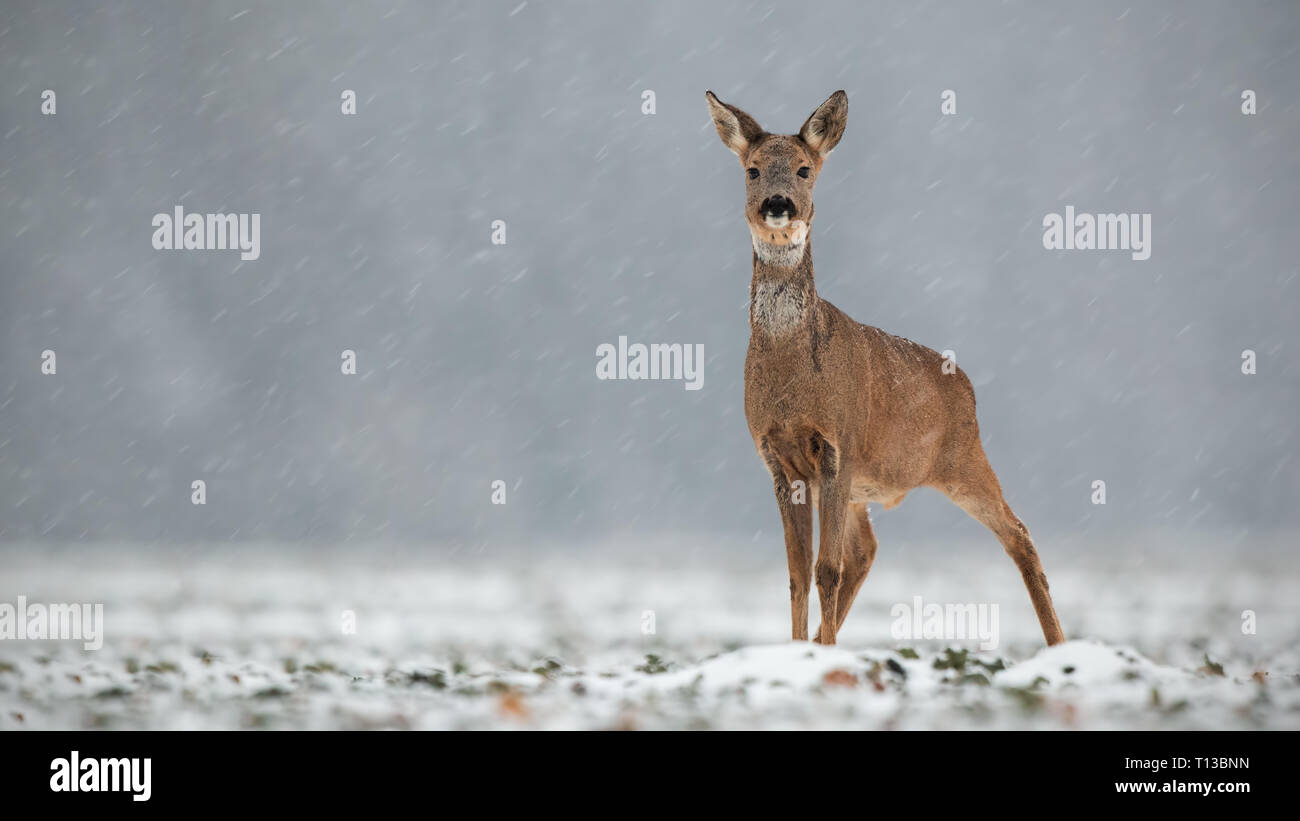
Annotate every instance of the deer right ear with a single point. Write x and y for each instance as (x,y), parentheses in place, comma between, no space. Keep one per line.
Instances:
(736,128)
(825,127)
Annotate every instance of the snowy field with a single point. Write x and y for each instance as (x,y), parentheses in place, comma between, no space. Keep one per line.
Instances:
(254,638)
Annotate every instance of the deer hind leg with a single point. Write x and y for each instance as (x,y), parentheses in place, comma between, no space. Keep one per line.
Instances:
(796,520)
(860,552)
(980,495)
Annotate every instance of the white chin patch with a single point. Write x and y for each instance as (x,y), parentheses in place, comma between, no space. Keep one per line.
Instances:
(785,253)
(777,222)
(800,232)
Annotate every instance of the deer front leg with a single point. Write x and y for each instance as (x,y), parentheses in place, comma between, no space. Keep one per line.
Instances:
(832,514)
(796,519)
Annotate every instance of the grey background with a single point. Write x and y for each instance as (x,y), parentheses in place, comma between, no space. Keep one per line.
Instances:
(477,362)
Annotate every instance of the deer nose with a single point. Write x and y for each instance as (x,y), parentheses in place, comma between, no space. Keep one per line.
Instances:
(777,206)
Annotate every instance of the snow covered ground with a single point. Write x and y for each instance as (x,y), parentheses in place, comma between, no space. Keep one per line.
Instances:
(255,638)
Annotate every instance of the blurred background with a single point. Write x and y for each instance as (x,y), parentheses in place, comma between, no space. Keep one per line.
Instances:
(371,494)
(476,362)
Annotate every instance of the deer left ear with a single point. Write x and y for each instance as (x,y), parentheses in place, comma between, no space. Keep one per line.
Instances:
(825,127)
(736,128)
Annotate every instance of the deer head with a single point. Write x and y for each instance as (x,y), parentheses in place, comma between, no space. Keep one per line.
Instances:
(780,170)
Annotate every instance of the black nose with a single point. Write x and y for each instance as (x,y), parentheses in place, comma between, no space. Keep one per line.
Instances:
(777,206)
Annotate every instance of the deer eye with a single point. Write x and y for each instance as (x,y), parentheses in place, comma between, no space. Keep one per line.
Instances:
(753,173)
(803,171)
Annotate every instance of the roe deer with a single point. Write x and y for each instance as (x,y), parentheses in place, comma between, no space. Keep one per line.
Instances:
(856,414)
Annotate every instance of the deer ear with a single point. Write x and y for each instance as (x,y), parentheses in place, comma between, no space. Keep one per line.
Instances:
(826,125)
(736,128)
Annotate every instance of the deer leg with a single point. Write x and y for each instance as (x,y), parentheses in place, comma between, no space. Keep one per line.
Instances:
(982,499)
(859,554)
(832,514)
(799,555)
(796,519)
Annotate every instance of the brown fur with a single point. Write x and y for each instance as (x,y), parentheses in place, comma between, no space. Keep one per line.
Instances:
(858,415)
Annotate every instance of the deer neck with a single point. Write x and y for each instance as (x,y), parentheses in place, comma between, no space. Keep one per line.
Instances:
(782,295)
